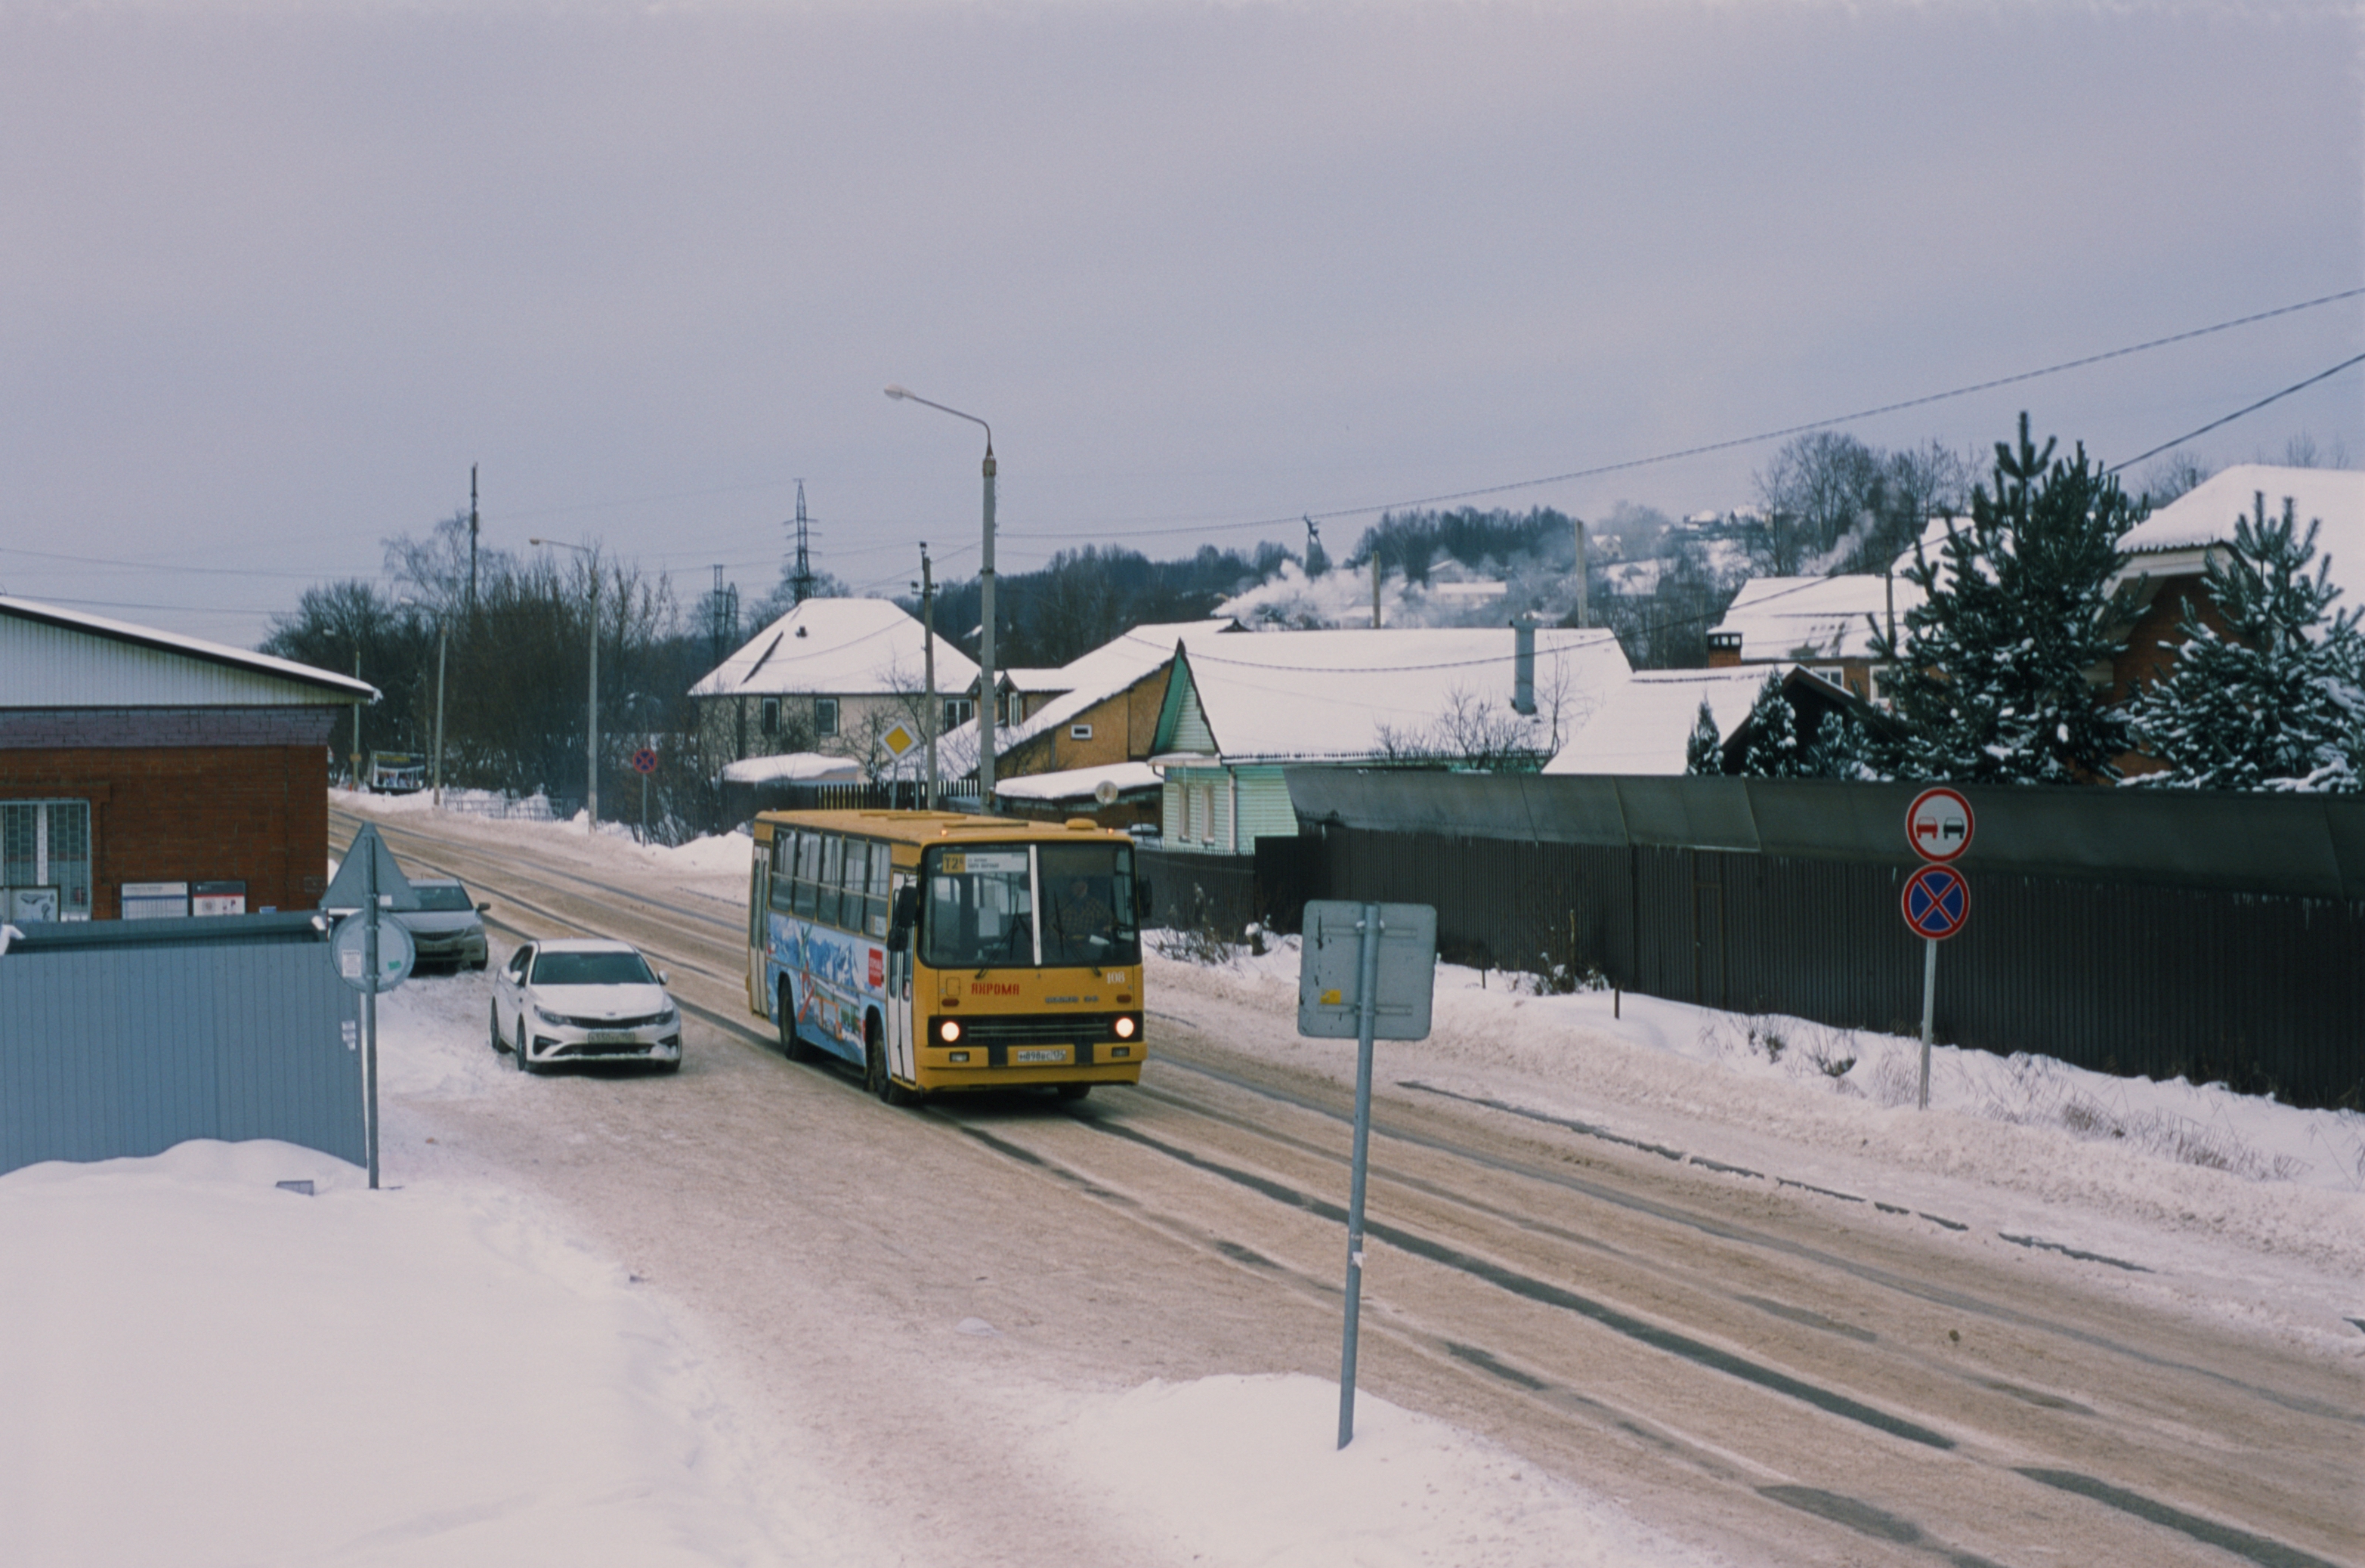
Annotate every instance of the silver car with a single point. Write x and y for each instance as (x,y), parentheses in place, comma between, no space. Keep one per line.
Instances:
(446,928)
(573,1001)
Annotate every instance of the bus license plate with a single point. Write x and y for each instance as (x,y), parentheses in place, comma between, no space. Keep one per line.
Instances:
(1047,1053)
(612,1038)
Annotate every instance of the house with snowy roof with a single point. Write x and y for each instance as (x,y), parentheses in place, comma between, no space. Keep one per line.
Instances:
(143,773)
(1240,708)
(1644,724)
(1827,624)
(1051,761)
(833,677)
(2169,551)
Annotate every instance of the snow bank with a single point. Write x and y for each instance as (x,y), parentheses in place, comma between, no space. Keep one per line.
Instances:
(203,1367)
(1246,1470)
(2255,1207)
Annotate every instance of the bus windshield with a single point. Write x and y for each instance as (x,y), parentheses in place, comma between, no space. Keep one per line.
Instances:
(980,912)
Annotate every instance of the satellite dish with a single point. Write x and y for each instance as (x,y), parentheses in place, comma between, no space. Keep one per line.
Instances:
(1105,792)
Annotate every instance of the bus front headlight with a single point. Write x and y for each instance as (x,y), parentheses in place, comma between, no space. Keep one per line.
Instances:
(1125,1027)
(949,1030)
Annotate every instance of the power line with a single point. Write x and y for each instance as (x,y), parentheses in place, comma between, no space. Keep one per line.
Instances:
(1726,445)
(2204,429)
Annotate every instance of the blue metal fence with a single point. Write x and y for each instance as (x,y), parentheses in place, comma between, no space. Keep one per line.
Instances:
(125,1037)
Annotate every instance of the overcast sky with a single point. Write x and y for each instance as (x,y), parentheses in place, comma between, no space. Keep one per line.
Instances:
(272,276)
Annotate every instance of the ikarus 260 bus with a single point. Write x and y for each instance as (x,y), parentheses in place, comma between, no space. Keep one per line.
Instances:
(939,952)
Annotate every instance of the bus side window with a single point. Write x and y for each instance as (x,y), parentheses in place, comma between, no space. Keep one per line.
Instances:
(783,869)
(882,867)
(808,869)
(832,866)
(856,870)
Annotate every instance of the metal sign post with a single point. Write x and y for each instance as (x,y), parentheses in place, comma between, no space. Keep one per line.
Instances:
(644,762)
(1937,900)
(1378,987)
(368,881)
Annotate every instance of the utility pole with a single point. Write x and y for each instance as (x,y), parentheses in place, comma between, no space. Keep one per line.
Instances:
(357,717)
(472,544)
(443,654)
(1375,587)
(933,714)
(1583,609)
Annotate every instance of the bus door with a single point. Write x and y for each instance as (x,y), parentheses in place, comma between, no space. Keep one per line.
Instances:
(760,901)
(901,1058)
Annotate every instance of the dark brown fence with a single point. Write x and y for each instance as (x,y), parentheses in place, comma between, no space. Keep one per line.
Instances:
(2216,937)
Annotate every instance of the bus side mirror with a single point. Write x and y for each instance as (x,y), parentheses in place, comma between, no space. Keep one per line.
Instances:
(907,916)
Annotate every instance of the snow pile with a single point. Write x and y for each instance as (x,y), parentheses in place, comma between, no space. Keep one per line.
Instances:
(1245,1469)
(206,1367)
(2243,1199)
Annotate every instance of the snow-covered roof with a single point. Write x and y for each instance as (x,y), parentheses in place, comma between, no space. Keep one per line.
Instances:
(1826,618)
(837,648)
(1091,679)
(793,767)
(1027,678)
(52,657)
(1327,695)
(1078,783)
(2205,515)
(1641,726)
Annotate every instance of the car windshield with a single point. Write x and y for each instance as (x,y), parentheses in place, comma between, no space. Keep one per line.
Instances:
(591,968)
(441,898)
(980,910)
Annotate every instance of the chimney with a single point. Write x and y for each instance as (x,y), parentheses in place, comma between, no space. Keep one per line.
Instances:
(1523,665)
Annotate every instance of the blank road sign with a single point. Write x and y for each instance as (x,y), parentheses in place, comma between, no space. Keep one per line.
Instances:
(1330,970)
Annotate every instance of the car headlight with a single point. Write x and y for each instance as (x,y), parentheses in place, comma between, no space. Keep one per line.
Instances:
(547,1016)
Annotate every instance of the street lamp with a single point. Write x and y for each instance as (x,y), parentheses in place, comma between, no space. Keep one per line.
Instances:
(985,606)
(592,745)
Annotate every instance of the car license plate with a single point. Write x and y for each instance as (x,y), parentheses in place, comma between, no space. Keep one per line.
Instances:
(1051,1053)
(612,1038)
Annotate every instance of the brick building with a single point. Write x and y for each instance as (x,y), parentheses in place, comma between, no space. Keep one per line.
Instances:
(143,773)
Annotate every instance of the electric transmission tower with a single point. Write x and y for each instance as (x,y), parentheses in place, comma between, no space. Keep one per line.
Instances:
(801,580)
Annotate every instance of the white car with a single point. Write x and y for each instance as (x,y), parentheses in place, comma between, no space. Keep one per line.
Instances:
(572,1002)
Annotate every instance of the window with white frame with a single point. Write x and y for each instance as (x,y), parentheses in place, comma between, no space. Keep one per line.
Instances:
(1080,732)
(958,711)
(825,715)
(772,721)
(45,863)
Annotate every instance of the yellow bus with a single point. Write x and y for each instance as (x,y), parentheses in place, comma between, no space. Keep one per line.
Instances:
(937,951)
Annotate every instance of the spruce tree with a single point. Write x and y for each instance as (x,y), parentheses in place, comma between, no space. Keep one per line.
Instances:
(1772,730)
(2272,697)
(1991,672)
(1704,752)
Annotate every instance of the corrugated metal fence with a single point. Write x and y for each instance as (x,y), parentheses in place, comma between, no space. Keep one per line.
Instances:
(125,1037)
(2216,937)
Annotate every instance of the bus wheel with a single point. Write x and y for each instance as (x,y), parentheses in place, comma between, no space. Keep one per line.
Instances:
(875,1076)
(786,1012)
(1074,1091)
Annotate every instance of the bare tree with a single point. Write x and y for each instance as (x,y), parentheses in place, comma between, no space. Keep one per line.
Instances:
(1472,731)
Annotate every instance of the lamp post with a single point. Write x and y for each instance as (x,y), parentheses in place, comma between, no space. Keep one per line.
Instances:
(985,606)
(591,745)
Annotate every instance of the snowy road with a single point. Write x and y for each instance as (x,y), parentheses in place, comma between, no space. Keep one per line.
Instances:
(1756,1369)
